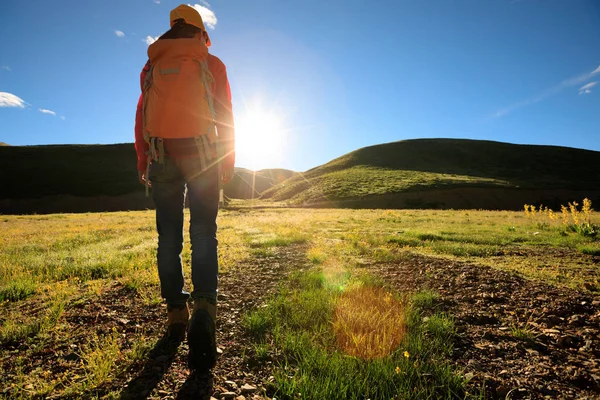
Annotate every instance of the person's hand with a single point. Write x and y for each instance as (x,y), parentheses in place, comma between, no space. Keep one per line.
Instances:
(142,178)
(227,175)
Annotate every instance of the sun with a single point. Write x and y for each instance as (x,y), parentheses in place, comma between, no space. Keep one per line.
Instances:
(258,139)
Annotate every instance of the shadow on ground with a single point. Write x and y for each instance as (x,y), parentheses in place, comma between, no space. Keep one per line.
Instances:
(157,364)
(199,385)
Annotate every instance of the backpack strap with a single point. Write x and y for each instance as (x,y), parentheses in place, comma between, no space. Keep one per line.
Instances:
(207,78)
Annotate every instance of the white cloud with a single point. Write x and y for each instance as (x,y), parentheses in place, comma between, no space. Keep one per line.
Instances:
(206,3)
(6,68)
(119,33)
(157,1)
(149,40)
(208,16)
(62,117)
(44,111)
(10,100)
(587,89)
(574,81)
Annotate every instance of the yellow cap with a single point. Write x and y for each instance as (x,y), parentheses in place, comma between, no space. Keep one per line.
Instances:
(190,16)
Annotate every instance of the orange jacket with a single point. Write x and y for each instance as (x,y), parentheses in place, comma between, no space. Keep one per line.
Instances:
(223,110)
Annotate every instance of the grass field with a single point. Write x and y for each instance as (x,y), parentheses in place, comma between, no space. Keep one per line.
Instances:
(55,268)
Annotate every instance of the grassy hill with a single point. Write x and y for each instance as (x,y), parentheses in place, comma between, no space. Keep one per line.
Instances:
(91,171)
(393,170)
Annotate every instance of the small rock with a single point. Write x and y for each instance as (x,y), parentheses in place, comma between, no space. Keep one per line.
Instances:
(123,321)
(231,385)
(469,376)
(240,397)
(29,387)
(575,319)
(247,389)
(551,331)
(228,395)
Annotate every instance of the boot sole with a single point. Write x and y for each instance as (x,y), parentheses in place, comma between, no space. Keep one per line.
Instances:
(201,341)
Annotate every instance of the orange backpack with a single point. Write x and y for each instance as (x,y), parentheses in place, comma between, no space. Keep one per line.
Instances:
(177,99)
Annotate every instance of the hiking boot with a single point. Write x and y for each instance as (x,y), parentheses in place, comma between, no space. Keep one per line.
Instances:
(201,336)
(177,322)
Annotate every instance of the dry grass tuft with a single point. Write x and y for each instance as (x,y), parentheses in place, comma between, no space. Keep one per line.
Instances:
(369,322)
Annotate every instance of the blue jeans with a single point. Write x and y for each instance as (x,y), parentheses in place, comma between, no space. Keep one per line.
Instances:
(169,181)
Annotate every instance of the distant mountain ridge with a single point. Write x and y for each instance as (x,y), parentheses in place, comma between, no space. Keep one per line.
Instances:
(44,178)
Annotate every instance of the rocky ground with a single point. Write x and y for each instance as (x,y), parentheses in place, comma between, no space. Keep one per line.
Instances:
(516,338)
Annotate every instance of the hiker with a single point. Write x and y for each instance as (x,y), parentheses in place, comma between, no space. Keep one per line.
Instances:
(184,138)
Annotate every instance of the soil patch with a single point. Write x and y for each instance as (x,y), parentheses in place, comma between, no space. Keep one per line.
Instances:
(517,338)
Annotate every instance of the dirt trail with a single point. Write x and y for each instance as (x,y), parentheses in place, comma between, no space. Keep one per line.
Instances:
(562,359)
(239,291)
(164,373)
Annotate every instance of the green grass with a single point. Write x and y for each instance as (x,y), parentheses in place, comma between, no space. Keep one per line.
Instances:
(592,249)
(16,331)
(100,356)
(522,333)
(17,290)
(140,348)
(425,300)
(360,181)
(297,322)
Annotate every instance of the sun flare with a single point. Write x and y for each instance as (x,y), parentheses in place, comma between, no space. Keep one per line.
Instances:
(259,139)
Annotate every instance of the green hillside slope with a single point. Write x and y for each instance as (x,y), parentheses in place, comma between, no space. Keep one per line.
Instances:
(436,164)
(247,184)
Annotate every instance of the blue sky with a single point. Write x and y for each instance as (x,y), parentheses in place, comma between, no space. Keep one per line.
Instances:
(334,75)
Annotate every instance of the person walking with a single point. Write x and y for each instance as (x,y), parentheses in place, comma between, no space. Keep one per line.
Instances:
(184,139)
